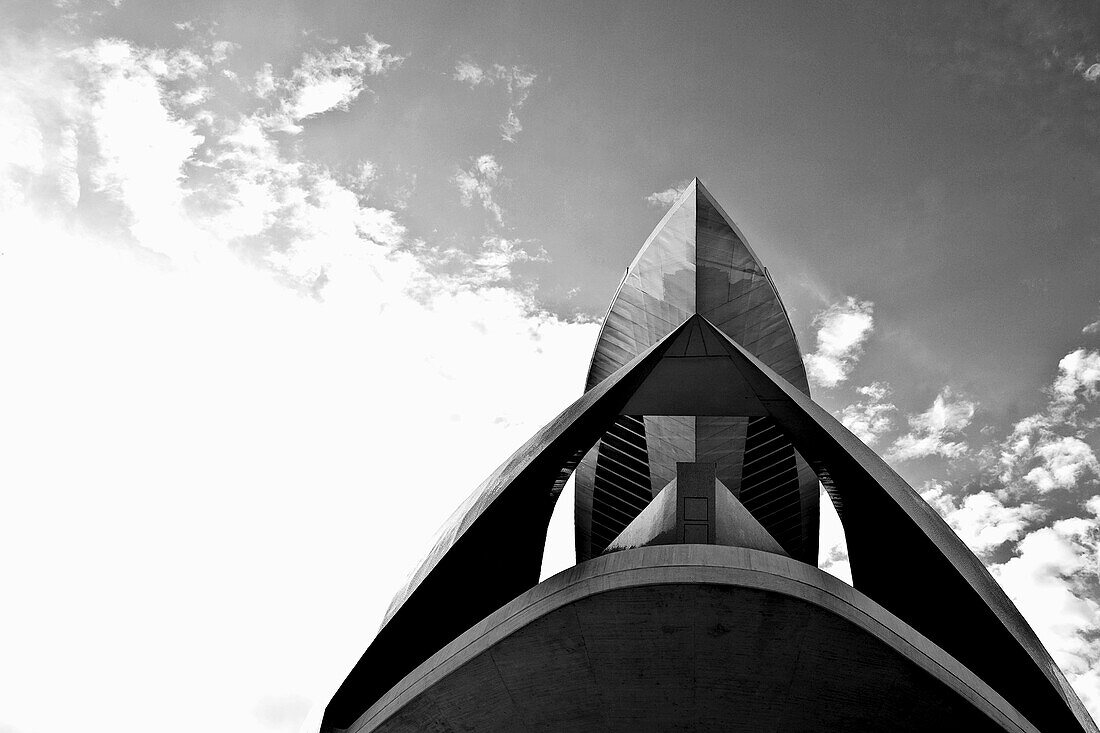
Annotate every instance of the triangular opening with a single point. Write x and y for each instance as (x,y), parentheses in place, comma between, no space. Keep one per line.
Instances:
(695,377)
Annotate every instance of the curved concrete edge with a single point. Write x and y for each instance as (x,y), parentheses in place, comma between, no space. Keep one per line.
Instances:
(888,508)
(698,564)
(510,509)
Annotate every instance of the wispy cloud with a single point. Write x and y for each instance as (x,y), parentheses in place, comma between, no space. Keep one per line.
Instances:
(871,417)
(668,196)
(1090,72)
(1045,468)
(323,81)
(934,431)
(478,182)
(469,73)
(516,81)
(842,329)
(982,520)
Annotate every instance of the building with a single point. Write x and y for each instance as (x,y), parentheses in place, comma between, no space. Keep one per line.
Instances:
(697,603)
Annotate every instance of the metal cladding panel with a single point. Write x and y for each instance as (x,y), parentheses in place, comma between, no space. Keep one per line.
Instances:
(696,261)
(657,294)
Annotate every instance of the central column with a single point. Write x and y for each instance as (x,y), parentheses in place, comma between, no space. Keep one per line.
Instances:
(695,504)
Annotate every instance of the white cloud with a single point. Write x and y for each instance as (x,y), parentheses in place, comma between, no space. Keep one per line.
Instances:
(495,258)
(832,545)
(1047,580)
(516,81)
(322,81)
(490,264)
(667,197)
(1050,449)
(931,432)
(1078,376)
(469,73)
(1047,458)
(511,126)
(325,81)
(842,329)
(870,418)
(982,520)
(127,111)
(265,81)
(1063,461)
(192,445)
(478,183)
(1092,73)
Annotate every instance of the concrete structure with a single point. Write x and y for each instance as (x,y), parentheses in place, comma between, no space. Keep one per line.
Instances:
(696,261)
(704,609)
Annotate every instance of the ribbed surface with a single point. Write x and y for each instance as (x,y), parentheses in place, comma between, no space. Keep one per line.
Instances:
(622,487)
(767,476)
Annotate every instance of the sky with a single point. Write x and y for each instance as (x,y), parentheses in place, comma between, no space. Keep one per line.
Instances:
(281,282)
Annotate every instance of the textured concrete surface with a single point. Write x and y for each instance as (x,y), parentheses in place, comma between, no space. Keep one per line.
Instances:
(695,508)
(692,638)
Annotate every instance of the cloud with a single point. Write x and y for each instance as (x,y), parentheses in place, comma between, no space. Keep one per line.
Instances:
(1078,376)
(264,81)
(237,351)
(1063,461)
(1092,329)
(1047,579)
(325,81)
(469,73)
(832,544)
(869,419)
(1050,449)
(1044,469)
(129,95)
(478,184)
(322,81)
(490,264)
(495,258)
(842,329)
(667,197)
(981,520)
(511,126)
(931,432)
(516,81)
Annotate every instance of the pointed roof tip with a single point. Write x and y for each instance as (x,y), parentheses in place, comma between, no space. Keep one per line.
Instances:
(702,190)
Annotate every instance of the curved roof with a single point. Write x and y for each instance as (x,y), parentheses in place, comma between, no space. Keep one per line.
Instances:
(577,653)
(904,557)
(696,260)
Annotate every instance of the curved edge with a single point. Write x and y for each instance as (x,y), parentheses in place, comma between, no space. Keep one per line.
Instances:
(698,564)
(861,478)
(512,509)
